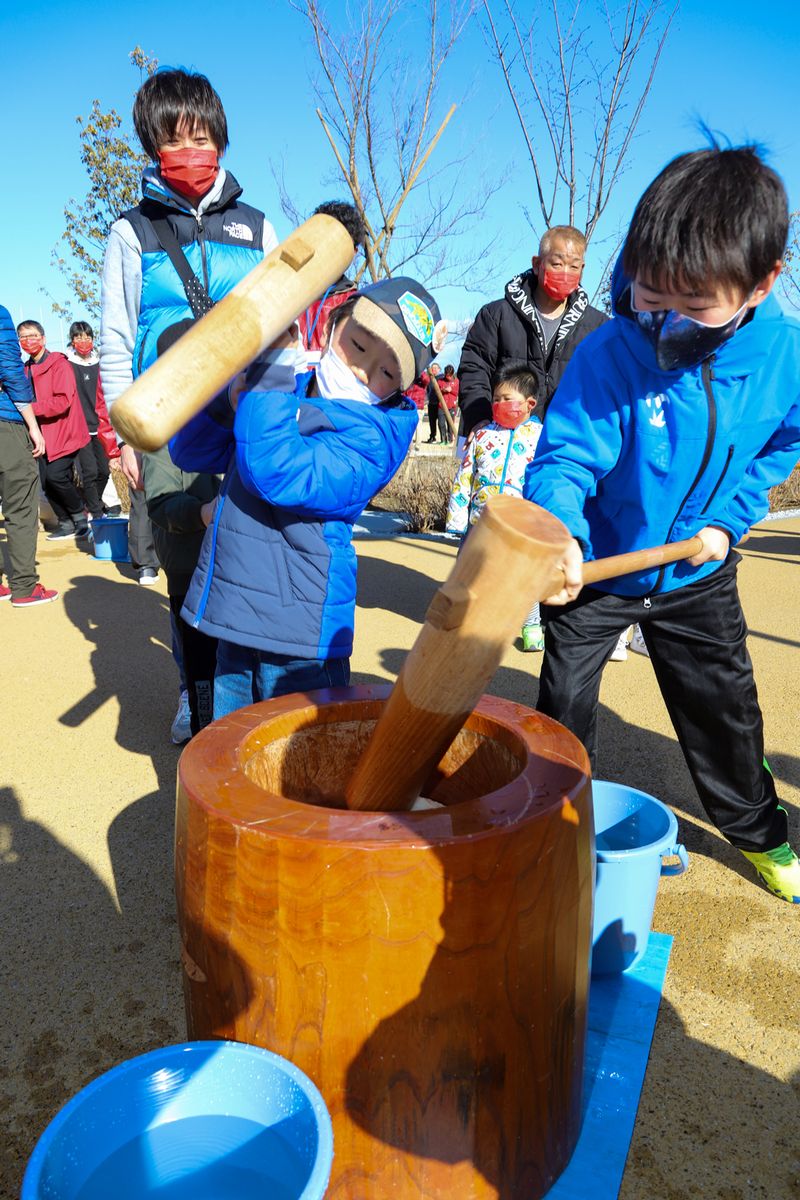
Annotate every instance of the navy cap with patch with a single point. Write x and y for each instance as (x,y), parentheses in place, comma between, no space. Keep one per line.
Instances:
(413,318)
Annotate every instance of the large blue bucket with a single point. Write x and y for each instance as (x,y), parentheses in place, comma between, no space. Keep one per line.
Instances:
(197,1121)
(110,537)
(634,833)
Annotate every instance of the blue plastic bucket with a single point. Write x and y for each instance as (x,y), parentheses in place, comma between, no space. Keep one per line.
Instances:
(110,536)
(196,1121)
(634,833)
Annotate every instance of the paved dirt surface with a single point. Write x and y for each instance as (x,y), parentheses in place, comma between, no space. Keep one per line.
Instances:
(88,949)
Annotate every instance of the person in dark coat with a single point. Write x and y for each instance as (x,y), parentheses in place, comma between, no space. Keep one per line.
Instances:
(543,316)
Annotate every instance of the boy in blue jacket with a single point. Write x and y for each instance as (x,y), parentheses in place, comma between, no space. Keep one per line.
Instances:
(276,580)
(672,420)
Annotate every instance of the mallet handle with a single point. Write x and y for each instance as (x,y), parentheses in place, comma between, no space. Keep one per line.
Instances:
(239,328)
(599,569)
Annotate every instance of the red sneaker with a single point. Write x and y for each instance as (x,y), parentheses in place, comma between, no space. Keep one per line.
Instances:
(5,593)
(39,595)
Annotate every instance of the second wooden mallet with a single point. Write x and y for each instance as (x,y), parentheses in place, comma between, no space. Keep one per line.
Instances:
(240,327)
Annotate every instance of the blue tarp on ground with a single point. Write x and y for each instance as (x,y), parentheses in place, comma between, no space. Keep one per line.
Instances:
(622,1017)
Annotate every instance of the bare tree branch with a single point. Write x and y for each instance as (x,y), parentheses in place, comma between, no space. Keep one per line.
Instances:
(578,107)
(383,121)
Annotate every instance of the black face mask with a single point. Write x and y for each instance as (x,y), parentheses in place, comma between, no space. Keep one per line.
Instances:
(681,342)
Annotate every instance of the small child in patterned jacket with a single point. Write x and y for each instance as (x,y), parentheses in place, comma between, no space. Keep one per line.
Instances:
(496,460)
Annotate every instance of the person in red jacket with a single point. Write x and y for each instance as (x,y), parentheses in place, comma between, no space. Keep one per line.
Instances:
(448,386)
(63,425)
(102,448)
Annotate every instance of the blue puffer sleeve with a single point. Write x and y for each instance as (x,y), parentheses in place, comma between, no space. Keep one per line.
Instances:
(580,443)
(775,463)
(332,473)
(206,442)
(13,380)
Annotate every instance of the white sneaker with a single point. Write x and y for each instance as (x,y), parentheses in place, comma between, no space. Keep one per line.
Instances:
(638,642)
(181,729)
(620,651)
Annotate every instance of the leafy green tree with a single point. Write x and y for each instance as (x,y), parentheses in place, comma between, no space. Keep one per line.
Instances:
(114,166)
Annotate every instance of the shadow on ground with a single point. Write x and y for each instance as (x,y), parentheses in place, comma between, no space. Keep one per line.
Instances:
(91,976)
(94,974)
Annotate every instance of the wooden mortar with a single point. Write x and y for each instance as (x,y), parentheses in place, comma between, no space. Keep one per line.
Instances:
(428,970)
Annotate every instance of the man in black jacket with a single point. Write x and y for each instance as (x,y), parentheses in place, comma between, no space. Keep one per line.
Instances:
(543,316)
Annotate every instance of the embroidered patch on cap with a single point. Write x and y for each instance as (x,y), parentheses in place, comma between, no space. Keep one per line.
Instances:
(417,317)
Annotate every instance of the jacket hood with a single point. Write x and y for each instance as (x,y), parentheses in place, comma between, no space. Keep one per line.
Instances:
(742,355)
(225,189)
(520,292)
(48,362)
(80,361)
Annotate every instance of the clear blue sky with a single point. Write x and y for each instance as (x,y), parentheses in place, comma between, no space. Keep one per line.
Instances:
(732,64)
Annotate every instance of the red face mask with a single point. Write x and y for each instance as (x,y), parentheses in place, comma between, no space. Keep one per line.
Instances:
(82,346)
(32,344)
(509,413)
(559,284)
(188,171)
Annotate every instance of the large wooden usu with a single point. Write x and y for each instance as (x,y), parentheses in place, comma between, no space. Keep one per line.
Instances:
(428,970)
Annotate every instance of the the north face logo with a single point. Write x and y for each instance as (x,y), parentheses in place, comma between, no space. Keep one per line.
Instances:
(237,230)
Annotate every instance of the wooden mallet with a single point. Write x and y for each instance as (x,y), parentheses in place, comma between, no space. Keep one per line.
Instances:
(509,560)
(240,327)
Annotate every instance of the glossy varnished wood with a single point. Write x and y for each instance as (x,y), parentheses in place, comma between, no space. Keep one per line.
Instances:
(429,971)
(502,568)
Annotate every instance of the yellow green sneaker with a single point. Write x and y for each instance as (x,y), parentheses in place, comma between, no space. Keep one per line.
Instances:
(780,871)
(532,638)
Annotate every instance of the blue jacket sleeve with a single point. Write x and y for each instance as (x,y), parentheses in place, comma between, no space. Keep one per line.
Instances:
(332,473)
(775,463)
(12,374)
(580,443)
(206,443)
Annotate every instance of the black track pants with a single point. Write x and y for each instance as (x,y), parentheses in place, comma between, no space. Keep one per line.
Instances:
(696,636)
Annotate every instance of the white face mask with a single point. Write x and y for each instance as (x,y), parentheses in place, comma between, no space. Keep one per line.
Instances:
(335,380)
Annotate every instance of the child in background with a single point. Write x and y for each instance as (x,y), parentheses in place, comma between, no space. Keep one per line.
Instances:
(496,460)
(179,506)
(276,582)
(63,425)
(674,420)
(102,448)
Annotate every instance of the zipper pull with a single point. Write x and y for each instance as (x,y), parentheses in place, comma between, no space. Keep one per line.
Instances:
(646,602)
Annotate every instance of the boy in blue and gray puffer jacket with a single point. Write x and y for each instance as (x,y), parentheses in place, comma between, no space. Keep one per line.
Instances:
(276,580)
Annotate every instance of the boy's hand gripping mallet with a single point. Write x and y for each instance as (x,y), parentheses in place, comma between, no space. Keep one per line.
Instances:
(240,327)
(508,561)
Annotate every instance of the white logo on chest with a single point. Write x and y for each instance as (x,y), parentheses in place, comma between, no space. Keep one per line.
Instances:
(237,230)
(655,407)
